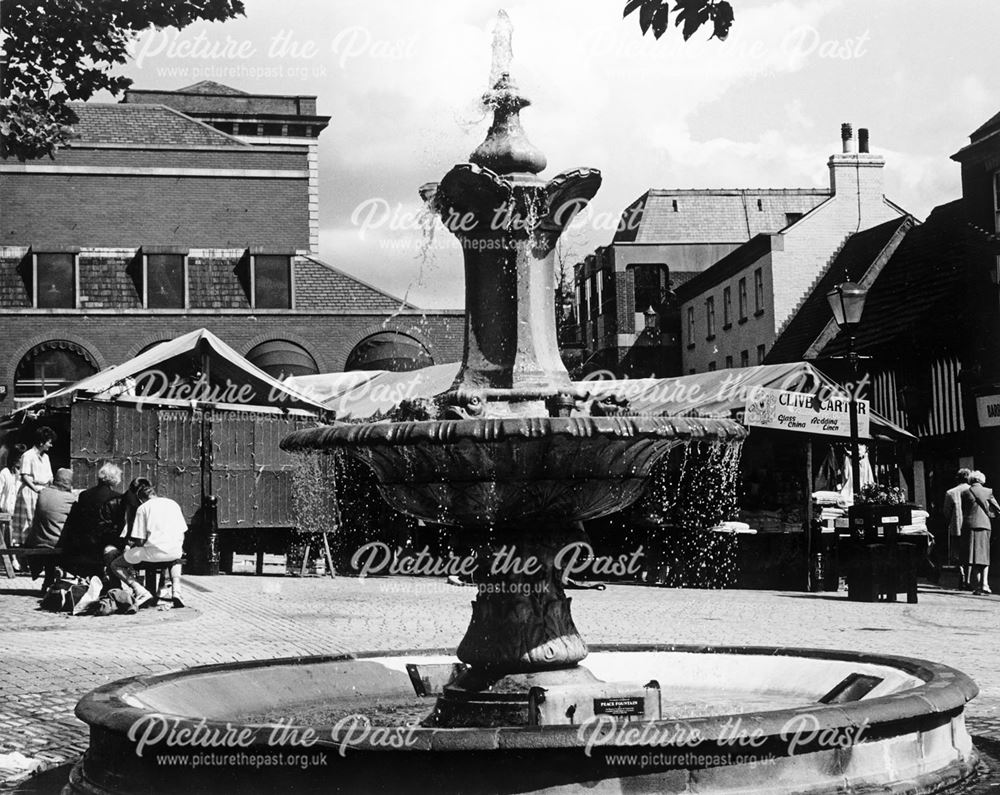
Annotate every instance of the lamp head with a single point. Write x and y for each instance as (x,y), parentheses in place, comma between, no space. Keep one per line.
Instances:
(847,300)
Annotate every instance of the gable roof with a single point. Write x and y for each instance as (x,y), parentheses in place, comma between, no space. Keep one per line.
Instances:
(319,285)
(729,215)
(855,259)
(144,124)
(139,380)
(922,286)
(211,87)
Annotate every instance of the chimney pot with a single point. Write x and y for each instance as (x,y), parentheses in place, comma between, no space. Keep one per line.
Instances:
(847,137)
(863,140)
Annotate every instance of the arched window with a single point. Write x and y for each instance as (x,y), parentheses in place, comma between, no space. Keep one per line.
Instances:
(389,350)
(281,358)
(149,347)
(49,367)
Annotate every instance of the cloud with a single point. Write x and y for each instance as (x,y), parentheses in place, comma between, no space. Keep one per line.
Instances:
(401,84)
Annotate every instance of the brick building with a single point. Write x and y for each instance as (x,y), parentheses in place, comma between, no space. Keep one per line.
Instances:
(732,312)
(930,331)
(688,284)
(173,211)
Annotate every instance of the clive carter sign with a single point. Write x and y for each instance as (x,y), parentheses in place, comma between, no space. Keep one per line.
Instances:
(805,413)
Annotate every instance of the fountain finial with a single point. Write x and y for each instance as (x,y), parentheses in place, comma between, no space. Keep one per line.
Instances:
(506,149)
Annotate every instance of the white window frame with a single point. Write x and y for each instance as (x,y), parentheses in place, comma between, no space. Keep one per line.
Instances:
(758,291)
(34,279)
(145,279)
(291,278)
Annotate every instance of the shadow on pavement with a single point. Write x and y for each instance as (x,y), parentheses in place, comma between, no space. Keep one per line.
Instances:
(50,782)
(32,592)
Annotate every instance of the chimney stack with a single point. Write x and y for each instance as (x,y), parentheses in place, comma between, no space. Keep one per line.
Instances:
(847,137)
(857,175)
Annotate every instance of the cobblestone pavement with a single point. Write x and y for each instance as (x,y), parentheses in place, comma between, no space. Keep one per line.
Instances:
(50,660)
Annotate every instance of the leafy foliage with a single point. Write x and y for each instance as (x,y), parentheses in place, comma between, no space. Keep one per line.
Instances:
(692,14)
(57,51)
(314,503)
(875,494)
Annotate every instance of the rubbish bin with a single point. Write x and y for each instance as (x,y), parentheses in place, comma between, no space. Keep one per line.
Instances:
(881,571)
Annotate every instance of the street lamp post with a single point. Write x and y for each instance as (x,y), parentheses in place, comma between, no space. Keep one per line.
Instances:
(847,300)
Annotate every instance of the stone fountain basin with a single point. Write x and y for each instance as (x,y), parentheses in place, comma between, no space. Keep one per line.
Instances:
(510,470)
(908,733)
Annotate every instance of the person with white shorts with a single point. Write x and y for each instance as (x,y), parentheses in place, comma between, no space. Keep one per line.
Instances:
(159,527)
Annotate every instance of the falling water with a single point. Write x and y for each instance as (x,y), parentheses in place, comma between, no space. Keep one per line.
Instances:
(503,54)
(698,495)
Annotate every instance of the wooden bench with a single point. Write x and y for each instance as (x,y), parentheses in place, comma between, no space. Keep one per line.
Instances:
(151,570)
(7,555)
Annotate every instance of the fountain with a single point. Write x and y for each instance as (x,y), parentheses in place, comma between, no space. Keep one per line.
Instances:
(516,449)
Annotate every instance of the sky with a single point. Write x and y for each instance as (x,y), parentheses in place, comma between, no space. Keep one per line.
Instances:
(402,81)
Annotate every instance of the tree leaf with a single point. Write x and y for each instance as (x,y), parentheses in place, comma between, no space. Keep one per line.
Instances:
(722,19)
(631,6)
(661,20)
(646,14)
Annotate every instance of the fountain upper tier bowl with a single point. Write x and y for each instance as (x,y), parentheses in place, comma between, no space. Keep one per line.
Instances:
(500,471)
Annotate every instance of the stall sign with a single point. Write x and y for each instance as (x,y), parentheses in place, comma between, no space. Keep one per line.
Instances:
(803,412)
(988,409)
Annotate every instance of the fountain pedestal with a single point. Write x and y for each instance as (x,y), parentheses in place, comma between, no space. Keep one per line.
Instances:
(521,618)
(521,635)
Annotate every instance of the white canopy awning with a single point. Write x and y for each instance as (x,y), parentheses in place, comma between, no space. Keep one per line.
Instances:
(159,376)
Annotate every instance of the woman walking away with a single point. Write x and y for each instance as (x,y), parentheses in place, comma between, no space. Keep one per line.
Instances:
(978,507)
(36,474)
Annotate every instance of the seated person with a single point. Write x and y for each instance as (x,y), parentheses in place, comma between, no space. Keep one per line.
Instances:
(51,512)
(94,526)
(159,527)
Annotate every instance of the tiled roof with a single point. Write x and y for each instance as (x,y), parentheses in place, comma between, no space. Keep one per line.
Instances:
(321,286)
(856,256)
(211,87)
(921,290)
(713,216)
(144,124)
(105,283)
(679,278)
(992,125)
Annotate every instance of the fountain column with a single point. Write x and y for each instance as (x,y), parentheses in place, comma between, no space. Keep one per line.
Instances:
(508,221)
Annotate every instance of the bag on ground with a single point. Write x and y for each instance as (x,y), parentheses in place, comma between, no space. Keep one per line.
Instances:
(57,597)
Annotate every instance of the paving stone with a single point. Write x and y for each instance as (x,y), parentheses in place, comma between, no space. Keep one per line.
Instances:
(50,661)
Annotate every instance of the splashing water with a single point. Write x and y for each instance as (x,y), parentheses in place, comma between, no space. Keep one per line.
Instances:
(503,54)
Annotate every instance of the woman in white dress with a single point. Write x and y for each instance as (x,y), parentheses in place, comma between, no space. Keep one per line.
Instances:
(36,474)
(10,482)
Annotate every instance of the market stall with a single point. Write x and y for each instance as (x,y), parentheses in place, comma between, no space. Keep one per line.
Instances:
(201,422)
